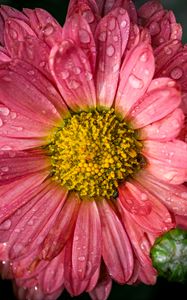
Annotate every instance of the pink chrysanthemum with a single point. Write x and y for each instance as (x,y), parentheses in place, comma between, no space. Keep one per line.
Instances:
(91,167)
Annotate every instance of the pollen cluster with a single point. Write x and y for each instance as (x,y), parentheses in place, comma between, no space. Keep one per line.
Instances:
(92,152)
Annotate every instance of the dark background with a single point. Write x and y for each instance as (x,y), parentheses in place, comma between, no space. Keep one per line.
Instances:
(162,289)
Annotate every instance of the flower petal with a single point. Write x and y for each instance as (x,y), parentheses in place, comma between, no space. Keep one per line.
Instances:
(77,29)
(165,129)
(21,96)
(73,75)
(115,244)
(18,193)
(135,76)
(21,164)
(144,209)
(173,196)
(62,228)
(45,26)
(154,106)
(103,287)
(36,223)
(86,250)
(111,40)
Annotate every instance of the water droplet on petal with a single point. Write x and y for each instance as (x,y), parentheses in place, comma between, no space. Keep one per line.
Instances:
(136,82)
(123,24)
(115,38)
(1,122)
(48,29)
(144,197)
(4,169)
(65,74)
(115,68)
(30,222)
(31,72)
(168,50)
(4,111)
(17,248)
(154,28)
(5,225)
(77,70)
(6,147)
(144,57)
(110,50)
(74,84)
(88,75)
(84,36)
(81,258)
(176,73)
(102,36)
(30,53)
(89,16)
(13,34)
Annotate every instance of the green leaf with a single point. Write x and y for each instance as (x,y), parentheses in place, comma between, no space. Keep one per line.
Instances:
(169,255)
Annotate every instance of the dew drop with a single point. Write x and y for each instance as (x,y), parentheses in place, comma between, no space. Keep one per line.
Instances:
(115,38)
(154,28)
(30,53)
(77,70)
(13,34)
(5,225)
(144,197)
(76,238)
(110,50)
(4,111)
(65,74)
(123,24)
(48,29)
(1,122)
(168,50)
(17,248)
(102,36)
(135,82)
(81,258)
(31,72)
(42,64)
(176,73)
(6,147)
(74,84)
(115,68)
(4,169)
(89,76)
(84,36)
(88,15)
(144,57)
(30,222)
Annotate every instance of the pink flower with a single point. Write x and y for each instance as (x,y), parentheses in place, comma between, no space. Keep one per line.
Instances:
(91,167)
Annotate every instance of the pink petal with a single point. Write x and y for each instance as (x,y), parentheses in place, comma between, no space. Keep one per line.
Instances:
(165,129)
(135,76)
(145,209)
(129,6)
(53,276)
(62,228)
(172,153)
(7,11)
(72,72)
(21,96)
(115,244)
(87,9)
(165,53)
(37,79)
(74,285)
(154,106)
(181,221)
(86,249)
(173,196)
(1,30)
(111,40)
(18,193)
(4,57)
(103,287)
(93,280)
(45,26)
(77,29)
(17,144)
(149,8)
(36,223)
(21,164)
(141,245)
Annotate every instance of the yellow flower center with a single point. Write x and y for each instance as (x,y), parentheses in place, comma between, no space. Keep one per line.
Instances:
(92,152)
